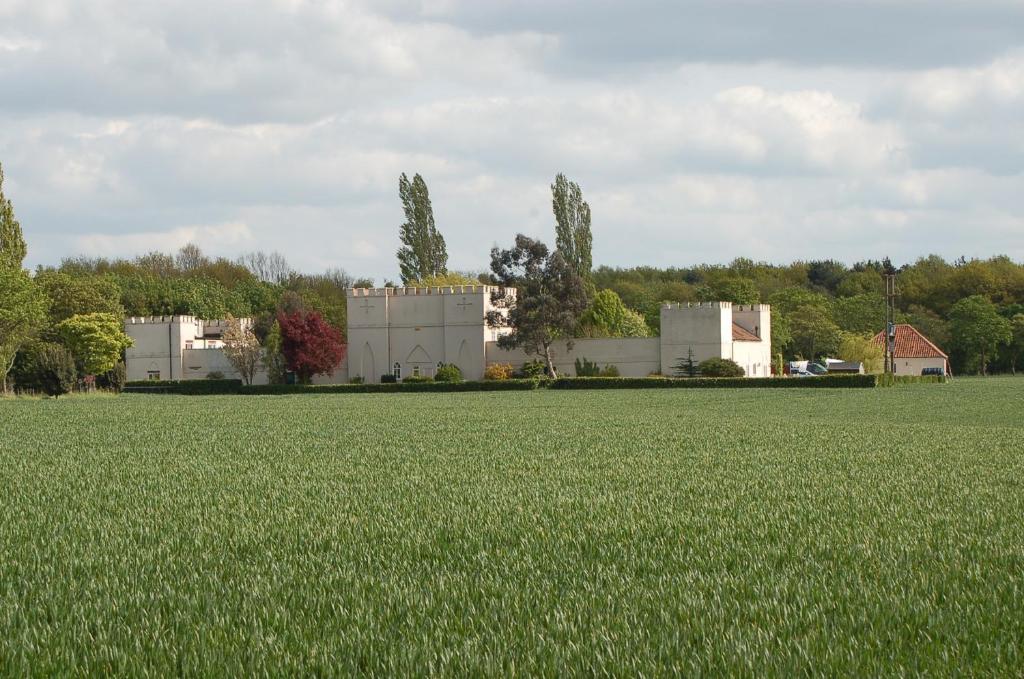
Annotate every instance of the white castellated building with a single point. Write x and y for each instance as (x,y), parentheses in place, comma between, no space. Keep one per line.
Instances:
(411,331)
(176,348)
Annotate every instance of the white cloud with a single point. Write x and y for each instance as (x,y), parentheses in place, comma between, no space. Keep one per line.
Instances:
(125,125)
(230,237)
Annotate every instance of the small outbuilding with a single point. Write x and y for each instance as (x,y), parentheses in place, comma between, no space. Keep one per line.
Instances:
(914,353)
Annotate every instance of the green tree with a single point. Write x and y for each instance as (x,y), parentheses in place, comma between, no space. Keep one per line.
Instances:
(81,294)
(786,304)
(607,316)
(978,329)
(96,339)
(813,332)
(1016,349)
(423,253)
(273,357)
(573,237)
(54,369)
(12,241)
(23,309)
(862,349)
(729,289)
(1017,341)
(443,280)
(859,314)
(547,302)
(933,326)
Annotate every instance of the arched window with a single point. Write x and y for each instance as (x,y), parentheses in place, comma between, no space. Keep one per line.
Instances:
(398,370)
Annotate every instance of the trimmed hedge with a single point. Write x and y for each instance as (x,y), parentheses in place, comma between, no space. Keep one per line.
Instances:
(897,380)
(389,388)
(824,381)
(189,387)
(208,387)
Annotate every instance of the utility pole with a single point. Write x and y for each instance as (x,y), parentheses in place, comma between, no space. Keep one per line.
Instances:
(890,323)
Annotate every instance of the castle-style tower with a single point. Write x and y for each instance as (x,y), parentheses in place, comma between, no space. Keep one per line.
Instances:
(717,330)
(411,331)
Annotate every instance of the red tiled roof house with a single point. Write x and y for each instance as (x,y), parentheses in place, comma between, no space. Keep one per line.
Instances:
(914,352)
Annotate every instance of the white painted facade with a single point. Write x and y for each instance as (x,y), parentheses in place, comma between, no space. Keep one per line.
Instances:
(914,366)
(412,331)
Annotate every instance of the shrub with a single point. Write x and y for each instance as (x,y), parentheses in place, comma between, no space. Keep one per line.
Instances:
(215,375)
(388,378)
(585,368)
(720,367)
(448,372)
(609,371)
(417,379)
(55,369)
(533,369)
(498,371)
(358,379)
(113,379)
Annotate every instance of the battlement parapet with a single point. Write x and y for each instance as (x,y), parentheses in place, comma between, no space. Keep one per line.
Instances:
(156,320)
(683,306)
(223,322)
(413,291)
(752,307)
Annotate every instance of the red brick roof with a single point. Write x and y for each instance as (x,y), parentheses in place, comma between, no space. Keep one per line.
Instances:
(741,334)
(910,343)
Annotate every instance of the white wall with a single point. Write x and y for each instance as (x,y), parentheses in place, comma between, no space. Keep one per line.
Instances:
(634,356)
(198,363)
(754,357)
(158,343)
(705,328)
(417,328)
(913,366)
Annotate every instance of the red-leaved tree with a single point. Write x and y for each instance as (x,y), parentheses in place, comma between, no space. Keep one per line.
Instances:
(310,345)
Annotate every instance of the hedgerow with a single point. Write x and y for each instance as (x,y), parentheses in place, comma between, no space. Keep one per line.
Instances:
(420,385)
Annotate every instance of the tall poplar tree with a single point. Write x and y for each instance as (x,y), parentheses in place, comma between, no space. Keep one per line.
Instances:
(12,242)
(423,253)
(573,237)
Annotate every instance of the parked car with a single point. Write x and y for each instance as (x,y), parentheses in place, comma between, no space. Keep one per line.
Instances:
(817,369)
(933,371)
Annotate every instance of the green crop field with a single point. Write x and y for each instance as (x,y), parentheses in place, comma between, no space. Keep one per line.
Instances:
(677,532)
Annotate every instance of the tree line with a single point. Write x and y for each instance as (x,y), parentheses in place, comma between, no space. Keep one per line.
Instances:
(70,314)
(972,309)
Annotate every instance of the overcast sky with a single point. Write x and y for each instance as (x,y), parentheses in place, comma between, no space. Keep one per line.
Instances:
(699,131)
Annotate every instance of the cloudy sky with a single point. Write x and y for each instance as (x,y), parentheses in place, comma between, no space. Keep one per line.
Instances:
(700,131)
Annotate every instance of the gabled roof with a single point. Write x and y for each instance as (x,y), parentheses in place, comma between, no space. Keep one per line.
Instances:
(741,334)
(910,343)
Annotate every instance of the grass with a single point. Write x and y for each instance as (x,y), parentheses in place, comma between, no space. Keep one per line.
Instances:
(676,532)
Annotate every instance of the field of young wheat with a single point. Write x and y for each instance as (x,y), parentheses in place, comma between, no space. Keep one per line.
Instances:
(842,532)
